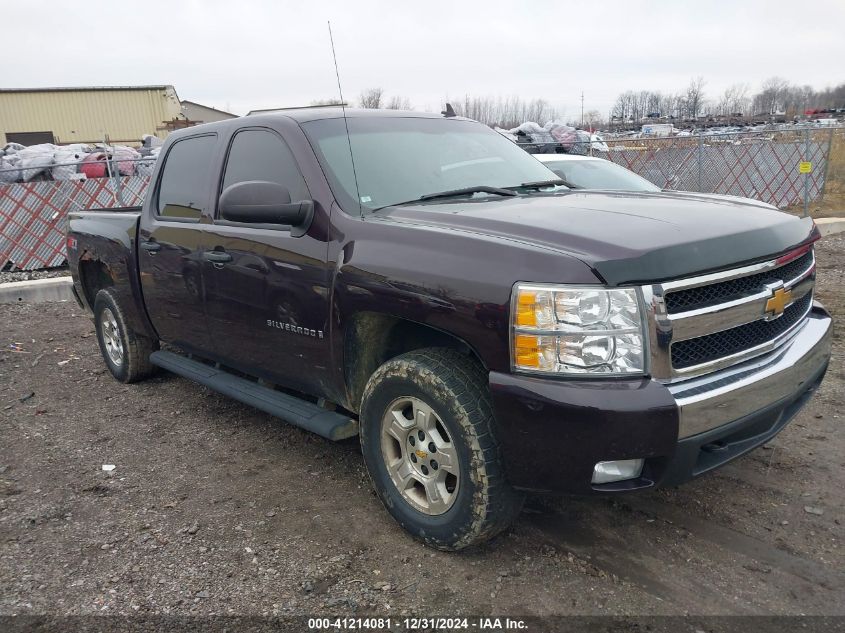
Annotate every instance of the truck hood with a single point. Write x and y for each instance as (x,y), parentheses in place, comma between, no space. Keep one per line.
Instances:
(724,197)
(625,237)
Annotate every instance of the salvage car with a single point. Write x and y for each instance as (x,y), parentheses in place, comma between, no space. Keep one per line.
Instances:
(592,172)
(421,282)
(589,172)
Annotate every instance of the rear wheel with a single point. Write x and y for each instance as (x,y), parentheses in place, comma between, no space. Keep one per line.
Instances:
(427,439)
(127,353)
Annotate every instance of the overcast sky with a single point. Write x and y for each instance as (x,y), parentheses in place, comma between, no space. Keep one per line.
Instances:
(242,55)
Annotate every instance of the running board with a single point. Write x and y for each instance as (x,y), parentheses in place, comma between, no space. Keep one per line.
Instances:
(301,413)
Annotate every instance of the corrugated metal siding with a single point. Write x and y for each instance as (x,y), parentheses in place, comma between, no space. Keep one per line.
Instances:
(85,116)
(198,112)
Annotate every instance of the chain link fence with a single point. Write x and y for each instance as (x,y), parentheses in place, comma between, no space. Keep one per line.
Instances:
(34,206)
(760,165)
(33,213)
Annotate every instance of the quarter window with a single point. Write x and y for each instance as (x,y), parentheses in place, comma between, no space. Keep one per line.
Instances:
(183,191)
(262,155)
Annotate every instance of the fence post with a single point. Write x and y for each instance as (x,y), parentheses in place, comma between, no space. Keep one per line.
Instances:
(826,164)
(114,174)
(807,175)
(700,160)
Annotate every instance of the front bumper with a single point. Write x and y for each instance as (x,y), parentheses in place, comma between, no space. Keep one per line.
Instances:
(553,432)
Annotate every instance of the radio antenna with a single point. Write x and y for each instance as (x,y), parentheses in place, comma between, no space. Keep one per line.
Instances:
(346,123)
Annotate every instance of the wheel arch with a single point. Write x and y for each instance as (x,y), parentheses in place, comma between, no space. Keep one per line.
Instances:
(373,338)
(94,275)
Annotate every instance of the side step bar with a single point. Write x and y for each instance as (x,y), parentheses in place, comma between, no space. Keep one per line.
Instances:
(301,413)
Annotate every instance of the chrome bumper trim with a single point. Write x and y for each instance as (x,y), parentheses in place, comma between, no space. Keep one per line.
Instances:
(721,397)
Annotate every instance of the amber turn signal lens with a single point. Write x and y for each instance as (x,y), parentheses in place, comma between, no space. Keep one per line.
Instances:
(527,350)
(526,309)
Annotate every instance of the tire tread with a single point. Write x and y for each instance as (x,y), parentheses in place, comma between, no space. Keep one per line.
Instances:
(137,348)
(495,503)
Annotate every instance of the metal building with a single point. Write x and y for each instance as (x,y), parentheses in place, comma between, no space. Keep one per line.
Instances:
(88,115)
(198,113)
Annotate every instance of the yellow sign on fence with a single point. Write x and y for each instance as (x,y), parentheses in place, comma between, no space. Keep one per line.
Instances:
(805,167)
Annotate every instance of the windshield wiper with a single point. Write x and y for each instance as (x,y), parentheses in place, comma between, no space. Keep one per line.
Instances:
(540,184)
(468,191)
(465,191)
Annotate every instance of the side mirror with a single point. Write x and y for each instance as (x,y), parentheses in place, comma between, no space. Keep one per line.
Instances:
(261,202)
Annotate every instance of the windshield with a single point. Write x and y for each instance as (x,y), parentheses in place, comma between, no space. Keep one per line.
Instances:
(402,159)
(599,174)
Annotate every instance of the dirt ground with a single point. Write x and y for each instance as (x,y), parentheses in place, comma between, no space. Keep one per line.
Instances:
(216,508)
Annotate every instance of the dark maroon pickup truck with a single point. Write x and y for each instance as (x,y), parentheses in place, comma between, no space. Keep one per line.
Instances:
(423,283)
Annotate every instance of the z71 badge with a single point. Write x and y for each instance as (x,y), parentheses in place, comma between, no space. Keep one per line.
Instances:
(295,329)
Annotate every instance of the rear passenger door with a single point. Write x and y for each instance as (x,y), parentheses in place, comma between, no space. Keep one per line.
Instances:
(268,305)
(172,240)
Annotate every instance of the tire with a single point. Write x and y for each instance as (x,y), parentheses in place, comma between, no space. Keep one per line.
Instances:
(126,353)
(441,396)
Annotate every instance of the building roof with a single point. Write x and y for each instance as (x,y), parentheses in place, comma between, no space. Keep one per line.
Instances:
(202,105)
(86,88)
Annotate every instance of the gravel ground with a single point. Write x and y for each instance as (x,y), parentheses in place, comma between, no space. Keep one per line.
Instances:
(25,275)
(216,508)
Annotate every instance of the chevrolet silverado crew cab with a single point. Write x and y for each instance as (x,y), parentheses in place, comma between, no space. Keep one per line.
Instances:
(421,282)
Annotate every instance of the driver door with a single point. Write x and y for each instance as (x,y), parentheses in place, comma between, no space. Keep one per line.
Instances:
(268,304)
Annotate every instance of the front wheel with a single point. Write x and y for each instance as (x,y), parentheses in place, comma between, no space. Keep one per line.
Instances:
(428,443)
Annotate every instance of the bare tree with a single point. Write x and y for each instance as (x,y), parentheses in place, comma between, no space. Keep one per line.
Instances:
(504,112)
(399,103)
(592,119)
(371,98)
(695,97)
(733,101)
(775,96)
(770,99)
(326,102)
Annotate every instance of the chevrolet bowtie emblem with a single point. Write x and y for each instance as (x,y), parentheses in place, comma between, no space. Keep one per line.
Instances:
(777,302)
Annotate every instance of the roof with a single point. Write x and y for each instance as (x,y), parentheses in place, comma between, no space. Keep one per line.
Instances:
(307,114)
(545,158)
(202,105)
(315,113)
(285,109)
(86,88)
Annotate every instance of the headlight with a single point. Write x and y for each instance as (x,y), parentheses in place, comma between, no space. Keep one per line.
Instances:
(577,330)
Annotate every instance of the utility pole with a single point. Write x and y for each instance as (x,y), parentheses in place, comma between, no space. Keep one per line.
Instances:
(582,109)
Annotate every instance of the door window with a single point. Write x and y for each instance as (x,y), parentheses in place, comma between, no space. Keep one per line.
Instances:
(183,191)
(263,155)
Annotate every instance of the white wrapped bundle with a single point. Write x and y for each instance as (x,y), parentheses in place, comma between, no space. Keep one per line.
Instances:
(9,171)
(506,134)
(43,149)
(66,162)
(12,148)
(34,165)
(145,167)
(529,127)
(598,143)
(35,159)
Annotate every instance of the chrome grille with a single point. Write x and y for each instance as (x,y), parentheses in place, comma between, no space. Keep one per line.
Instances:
(713,294)
(710,347)
(705,323)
